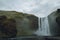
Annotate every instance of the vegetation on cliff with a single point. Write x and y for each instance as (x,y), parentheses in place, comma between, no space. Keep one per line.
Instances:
(21,23)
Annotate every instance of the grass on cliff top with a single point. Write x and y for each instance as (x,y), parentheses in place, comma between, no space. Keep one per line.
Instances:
(14,14)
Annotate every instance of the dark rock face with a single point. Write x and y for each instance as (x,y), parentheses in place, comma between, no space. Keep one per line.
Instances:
(8,26)
(2,18)
(58,20)
(58,10)
(54,23)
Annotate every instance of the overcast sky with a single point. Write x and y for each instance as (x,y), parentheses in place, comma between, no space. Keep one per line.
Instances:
(38,7)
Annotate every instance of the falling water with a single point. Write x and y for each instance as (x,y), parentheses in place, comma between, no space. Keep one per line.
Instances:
(43,27)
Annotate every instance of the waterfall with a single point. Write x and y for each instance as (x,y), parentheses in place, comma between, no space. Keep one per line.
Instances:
(44,29)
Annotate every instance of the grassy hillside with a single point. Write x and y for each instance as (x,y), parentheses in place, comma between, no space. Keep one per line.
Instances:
(25,23)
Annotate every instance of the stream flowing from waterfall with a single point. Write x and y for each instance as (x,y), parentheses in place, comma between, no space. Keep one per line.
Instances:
(44,29)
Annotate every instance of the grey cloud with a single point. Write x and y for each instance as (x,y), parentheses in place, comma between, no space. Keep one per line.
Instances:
(43,7)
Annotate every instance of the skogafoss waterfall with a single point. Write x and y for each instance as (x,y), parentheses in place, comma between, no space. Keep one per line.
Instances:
(44,29)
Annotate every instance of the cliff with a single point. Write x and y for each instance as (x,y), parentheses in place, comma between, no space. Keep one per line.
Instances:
(54,21)
(17,23)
